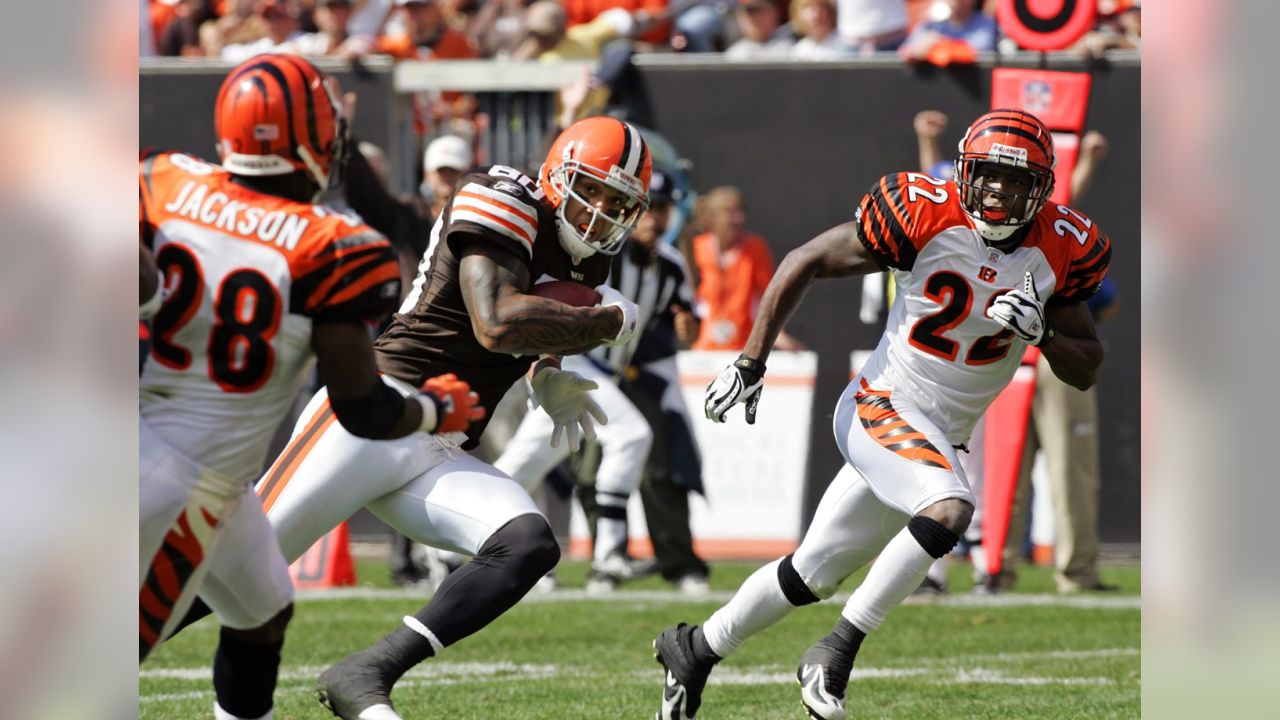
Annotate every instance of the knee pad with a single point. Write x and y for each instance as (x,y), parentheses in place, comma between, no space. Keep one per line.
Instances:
(528,538)
(269,633)
(936,538)
(793,586)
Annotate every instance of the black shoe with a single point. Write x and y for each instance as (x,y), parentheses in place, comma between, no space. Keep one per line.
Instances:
(824,678)
(354,690)
(686,675)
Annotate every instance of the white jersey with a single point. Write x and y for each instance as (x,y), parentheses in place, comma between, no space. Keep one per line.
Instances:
(245,276)
(939,348)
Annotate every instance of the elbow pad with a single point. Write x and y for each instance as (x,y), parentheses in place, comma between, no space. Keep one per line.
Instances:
(373,416)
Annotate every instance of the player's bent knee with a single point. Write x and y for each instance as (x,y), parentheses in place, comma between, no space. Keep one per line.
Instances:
(794,587)
(953,513)
(936,539)
(528,539)
(269,633)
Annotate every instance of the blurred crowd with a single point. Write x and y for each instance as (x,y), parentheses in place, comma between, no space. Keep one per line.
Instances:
(933,31)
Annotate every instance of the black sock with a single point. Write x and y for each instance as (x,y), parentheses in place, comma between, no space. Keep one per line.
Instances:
(507,566)
(702,649)
(398,651)
(244,675)
(846,638)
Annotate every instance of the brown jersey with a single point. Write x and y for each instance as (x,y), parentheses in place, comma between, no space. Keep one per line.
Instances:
(432,334)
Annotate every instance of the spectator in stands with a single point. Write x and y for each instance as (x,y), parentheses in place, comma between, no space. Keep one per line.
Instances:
(1119,27)
(551,39)
(815,22)
(871,26)
(759,21)
(280,17)
(181,37)
(499,27)
(649,16)
(734,268)
(957,30)
(700,29)
(332,36)
(239,25)
(447,158)
(424,35)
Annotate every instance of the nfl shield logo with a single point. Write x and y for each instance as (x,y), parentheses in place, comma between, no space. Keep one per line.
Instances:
(1037,96)
(994,256)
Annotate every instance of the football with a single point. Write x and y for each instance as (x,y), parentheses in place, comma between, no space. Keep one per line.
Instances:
(567,292)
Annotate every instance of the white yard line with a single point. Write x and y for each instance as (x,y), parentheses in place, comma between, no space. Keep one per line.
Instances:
(1090,602)
(299,678)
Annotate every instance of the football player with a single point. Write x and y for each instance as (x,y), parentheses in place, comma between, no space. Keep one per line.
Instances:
(470,313)
(984,267)
(653,276)
(258,280)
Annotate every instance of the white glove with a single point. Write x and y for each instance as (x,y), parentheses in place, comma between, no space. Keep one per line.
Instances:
(742,381)
(564,397)
(630,314)
(1021,312)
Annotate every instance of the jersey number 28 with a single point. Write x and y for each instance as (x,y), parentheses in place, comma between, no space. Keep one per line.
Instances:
(246,310)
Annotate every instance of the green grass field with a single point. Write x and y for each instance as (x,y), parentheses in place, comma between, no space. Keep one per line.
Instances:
(1029,654)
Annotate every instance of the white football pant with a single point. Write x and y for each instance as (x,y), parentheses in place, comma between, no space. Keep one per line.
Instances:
(424,486)
(215,525)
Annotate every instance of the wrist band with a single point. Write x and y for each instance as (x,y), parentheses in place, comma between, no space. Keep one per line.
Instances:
(750,365)
(1049,334)
(430,412)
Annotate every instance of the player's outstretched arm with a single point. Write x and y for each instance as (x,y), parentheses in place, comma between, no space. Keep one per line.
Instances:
(834,253)
(367,407)
(506,320)
(1074,350)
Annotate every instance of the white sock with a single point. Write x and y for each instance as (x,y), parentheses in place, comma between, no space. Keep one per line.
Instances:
(611,537)
(938,571)
(220,714)
(899,569)
(758,604)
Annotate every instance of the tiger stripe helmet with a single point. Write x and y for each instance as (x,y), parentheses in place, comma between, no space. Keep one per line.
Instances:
(612,152)
(278,114)
(1012,138)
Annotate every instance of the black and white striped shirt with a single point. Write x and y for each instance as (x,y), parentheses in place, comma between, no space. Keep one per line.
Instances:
(657,284)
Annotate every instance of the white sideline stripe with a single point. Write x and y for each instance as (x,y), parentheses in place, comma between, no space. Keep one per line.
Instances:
(1124,602)
(299,679)
(425,670)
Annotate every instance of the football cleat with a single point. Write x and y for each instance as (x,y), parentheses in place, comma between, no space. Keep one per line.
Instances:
(824,677)
(355,690)
(606,575)
(686,676)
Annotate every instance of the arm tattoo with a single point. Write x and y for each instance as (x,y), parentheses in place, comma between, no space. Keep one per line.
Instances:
(506,320)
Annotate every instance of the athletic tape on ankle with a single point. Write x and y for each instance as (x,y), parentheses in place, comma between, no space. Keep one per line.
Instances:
(793,586)
(416,625)
(936,538)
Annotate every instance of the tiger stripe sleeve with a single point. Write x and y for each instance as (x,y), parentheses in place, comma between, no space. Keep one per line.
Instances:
(355,277)
(1086,271)
(882,222)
